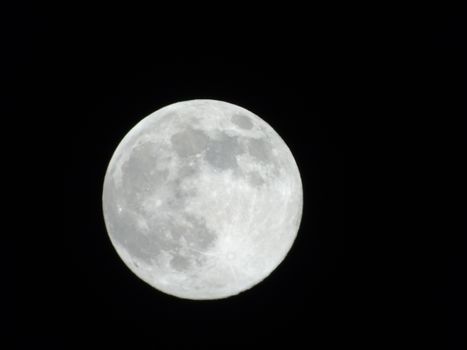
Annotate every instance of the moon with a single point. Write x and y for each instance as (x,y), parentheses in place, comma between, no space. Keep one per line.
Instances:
(202,199)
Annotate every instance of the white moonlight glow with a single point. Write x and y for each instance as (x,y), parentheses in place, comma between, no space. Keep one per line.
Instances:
(202,199)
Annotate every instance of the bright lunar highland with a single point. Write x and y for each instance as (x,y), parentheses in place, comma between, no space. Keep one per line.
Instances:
(202,199)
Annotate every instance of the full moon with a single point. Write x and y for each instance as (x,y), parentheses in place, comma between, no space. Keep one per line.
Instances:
(202,199)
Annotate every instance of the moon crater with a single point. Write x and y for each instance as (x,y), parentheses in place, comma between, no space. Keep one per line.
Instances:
(242,121)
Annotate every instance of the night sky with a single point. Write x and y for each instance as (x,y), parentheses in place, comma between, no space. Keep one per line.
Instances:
(373,110)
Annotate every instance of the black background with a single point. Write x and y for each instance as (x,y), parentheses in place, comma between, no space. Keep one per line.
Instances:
(371,103)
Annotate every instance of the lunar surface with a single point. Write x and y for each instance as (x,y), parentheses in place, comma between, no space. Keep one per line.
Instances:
(202,199)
